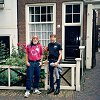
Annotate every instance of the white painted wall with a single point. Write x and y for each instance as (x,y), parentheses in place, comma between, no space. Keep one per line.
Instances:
(8,21)
(89,37)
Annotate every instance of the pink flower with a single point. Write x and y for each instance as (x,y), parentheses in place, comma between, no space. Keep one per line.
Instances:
(18,44)
(24,45)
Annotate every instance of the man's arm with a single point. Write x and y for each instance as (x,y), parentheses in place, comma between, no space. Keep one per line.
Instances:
(59,58)
(27,62)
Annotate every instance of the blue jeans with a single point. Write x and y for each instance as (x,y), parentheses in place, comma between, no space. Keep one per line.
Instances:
(51,71)
(33,75)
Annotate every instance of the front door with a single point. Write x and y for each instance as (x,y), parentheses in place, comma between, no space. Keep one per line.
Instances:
(72,26)
(72,42)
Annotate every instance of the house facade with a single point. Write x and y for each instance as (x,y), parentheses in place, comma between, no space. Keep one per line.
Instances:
(8,23)
(71,20)
(62,17)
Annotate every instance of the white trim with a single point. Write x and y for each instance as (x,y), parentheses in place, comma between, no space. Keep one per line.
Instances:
(41,4)
(63,30)
(96,6)
(89,37)
(71,24)
(27,18)
(91,1)
(27,25)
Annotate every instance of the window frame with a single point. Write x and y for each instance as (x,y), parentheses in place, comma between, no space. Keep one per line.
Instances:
(71,24)
(29,23)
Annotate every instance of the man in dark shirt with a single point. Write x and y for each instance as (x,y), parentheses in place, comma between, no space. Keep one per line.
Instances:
(55,55)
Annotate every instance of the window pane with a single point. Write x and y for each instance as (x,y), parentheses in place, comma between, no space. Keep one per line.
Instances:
(49,17)
(39,35)
(50,27)
(37,10)
(76,8)
(38,27)
(44,28)
(49,9)
(32,34)
(69,18)
(31,27)
(47,35)
(47,43)
(43,10)
(43,43)
(37,18)
(43,18)
(31,10)
(43,35)
(76,17)
(31,18)
(68,8)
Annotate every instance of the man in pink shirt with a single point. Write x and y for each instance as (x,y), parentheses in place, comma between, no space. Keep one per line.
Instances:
(34,55)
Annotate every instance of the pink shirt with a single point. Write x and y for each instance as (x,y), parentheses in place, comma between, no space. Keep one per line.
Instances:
(34,52)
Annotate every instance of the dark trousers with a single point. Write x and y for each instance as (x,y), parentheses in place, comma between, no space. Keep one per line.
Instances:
(51,71)
(33,75)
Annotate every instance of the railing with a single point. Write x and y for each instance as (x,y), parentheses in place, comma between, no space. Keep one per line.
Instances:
(75,76)
(14,68)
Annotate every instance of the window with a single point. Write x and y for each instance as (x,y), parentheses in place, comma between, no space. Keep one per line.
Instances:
(72,13)
(41,23)
(41,14)
(1,1)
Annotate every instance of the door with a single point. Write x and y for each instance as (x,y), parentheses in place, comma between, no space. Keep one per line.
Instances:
(6,40)
(72,42)
(72,26)
(94,40)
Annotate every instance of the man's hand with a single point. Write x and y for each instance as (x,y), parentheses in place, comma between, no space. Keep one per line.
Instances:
(56,64)
(45,62)
(27,63)
(40,63)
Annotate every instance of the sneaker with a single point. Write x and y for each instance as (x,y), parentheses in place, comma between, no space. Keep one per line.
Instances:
(27,93)
(36,91)
(50,91)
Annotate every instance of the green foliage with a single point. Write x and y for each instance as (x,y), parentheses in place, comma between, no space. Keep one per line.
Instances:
(17,58)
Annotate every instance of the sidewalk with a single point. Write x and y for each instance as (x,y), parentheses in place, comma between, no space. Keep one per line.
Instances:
(90,89)
(91,83)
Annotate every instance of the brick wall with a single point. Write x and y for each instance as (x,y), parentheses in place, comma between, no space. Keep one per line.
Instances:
(21,16)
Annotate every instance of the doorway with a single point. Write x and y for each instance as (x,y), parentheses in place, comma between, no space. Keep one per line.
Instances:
(72,42)
(6,41)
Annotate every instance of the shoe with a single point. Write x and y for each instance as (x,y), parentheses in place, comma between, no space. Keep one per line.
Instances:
(50,91)
(56,92)
(36,91)
(27,93)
